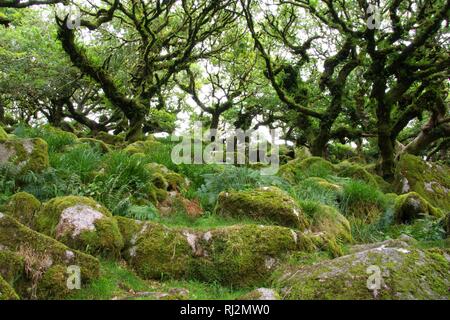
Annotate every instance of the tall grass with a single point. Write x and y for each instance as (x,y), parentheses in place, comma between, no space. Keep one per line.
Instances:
(82,160)
(362,200)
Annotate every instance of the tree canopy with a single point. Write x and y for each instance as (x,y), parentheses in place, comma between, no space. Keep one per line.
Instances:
(370,75)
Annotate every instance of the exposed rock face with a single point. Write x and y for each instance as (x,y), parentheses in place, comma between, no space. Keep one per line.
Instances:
(81,223)
(23,206)
(411,206)
(270,204)
(261,294)
(387,270)
(430,180)
(239,255)
(26,154)
(36,265)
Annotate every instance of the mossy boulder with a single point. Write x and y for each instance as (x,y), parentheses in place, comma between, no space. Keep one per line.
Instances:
(332,223)
(23,206)
(405,272)
(166,179)
(81,223)
(26,256)
(145,146)
(430,180)
(109,138)
(26,154)
(6,291)
(323,184)
(270,204)
(3,134)
(355,172)
(95,143)
(12,266)
(261,294)
(298,169)
(240,255)
(411,206)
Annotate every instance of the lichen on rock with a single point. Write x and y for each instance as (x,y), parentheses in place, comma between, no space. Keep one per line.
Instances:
(269,204)
(27,255)
(429,180)
(26,154)
(240,255)
(405,272)
(81,223)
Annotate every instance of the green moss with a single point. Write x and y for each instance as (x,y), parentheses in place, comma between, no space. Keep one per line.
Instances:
(161,194)
(23,206)
(164,178)
(28,243)
(299,169)
(53,284)
(96,143)
(27,154)
(411,206)
(161,252)
(407,273)
(356,172)
(324,184)
(128,228)
(239,255)
(110,139)
(430,180)
(6,291)
(3,134)
(176,181)
(102,238)
(159,181)
(145,147)
(270,204)
(11,266)
(332,223)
